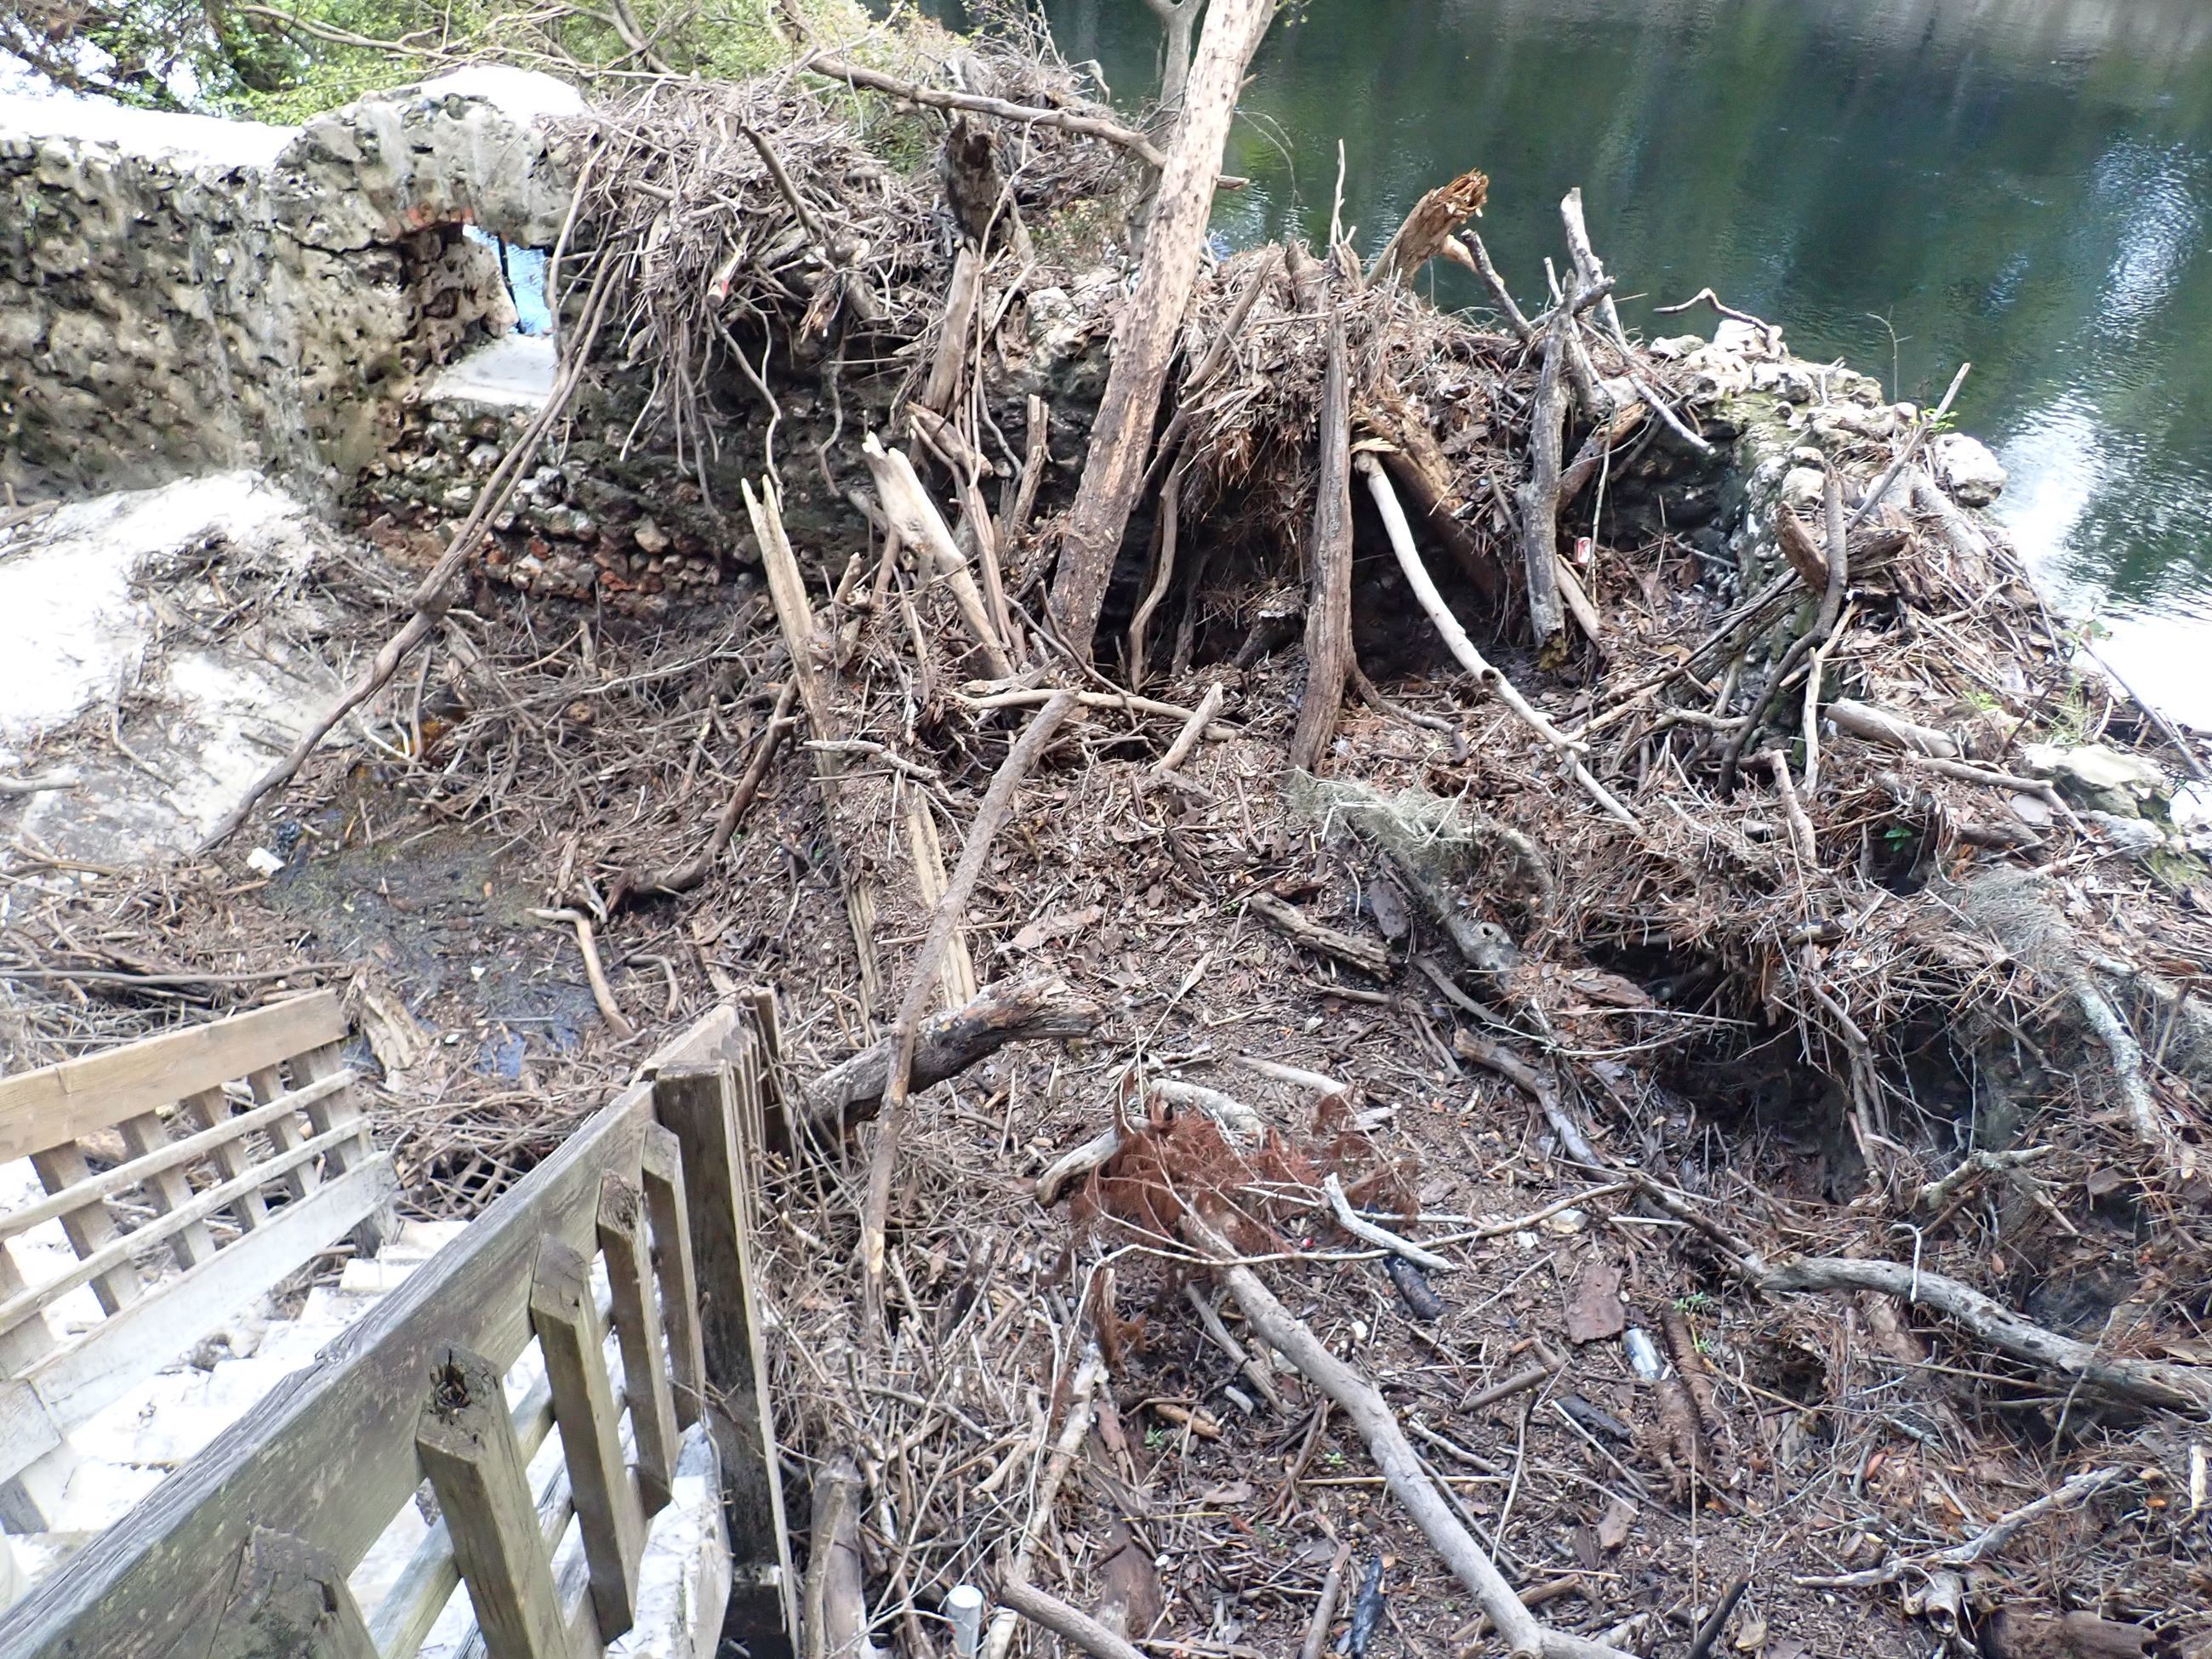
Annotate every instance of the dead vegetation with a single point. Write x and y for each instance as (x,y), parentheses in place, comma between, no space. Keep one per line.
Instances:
(1700,1148)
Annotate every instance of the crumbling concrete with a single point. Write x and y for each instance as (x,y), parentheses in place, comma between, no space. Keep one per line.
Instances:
(179,296)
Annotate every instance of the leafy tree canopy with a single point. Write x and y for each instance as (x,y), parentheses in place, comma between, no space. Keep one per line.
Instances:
(291,58)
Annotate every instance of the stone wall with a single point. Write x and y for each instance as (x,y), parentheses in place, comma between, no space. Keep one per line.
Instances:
(179,296)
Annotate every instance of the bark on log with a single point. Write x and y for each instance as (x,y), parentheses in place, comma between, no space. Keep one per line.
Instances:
(1144,337)
(1012,1011)
(1540,495)
(1328,610)
(834,1607)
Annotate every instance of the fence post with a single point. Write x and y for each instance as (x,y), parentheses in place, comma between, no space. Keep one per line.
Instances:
(291,1598)
(660,1164)
(466,1442)
(702,1106)
(567,1326)
(645,1373)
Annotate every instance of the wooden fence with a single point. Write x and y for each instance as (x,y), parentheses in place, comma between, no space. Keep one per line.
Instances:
(285,1166)
(248,1549)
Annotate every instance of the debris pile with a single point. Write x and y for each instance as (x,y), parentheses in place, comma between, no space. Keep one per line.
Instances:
(1512,990)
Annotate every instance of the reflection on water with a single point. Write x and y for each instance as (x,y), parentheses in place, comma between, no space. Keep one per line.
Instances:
(2023,183)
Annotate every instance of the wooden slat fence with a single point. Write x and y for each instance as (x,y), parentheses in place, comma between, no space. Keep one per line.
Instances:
(239,1150)
(450,1388)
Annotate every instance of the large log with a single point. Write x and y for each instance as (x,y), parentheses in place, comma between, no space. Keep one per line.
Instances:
(1145,337)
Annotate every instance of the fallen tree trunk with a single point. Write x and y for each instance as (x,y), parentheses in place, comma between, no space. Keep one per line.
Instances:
(1145,337)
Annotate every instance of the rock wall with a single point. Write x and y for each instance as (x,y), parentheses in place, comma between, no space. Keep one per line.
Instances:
(179,296)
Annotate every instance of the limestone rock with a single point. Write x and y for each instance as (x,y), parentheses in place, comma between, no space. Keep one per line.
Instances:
(2130,837)
(1966,469)
(2095,776)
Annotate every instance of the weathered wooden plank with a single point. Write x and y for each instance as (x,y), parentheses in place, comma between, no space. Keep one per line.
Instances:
(466,1443)
(419,1595)
(341,1108)
(26,1433)
(224,1140)
(89,1229)
(145,1137)
(637,1325)
(267,1083)
(347,1425)
(82,1380)
(661,1174)
(607,1511)
(96,1091)
(289,1599)
(701,1105)
(115,1255)
(224,1135)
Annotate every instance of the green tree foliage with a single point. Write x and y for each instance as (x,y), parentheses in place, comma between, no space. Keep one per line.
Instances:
(288,59)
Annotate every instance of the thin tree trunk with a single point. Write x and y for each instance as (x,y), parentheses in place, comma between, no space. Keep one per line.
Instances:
(1328,609)
(1145,337)
(1178,20)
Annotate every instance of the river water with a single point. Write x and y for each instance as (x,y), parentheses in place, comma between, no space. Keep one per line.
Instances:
(2024,185)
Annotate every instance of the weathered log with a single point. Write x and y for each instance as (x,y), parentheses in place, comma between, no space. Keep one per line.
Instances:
(1328,610)
(1589,274)
(1178,22)
(1369,956)
(1014,1010)
(834,1607)
(1145,336)
(1878,725)
(1540,494)
(1429,226)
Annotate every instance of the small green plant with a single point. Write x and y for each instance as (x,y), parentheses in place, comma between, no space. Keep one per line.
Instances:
(1693,1302)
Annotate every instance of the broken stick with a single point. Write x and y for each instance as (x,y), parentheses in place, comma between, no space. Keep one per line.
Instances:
(1424,590)
(1328,613)
(911,512)
(1402,1469)
(946,1047)
(685,877)
(998,803)
(1067,1623)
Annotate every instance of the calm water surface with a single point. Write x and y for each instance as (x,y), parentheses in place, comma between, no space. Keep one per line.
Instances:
(2024,185)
